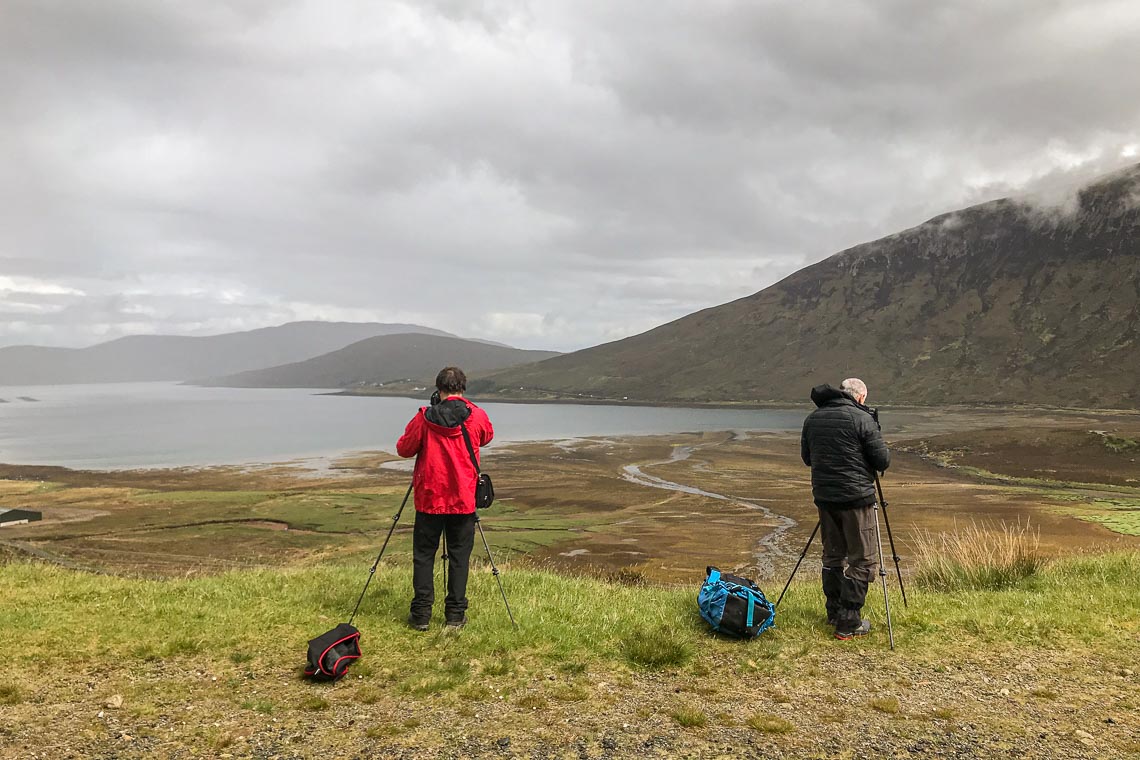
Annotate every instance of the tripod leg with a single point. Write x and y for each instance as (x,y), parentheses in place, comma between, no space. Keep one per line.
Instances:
(797,567)
(495,570)
(376,564)
(883,577)
(444,558)
(895,554)
(890,537)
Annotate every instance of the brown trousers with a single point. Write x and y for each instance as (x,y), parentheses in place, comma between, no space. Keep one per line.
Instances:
(848,537)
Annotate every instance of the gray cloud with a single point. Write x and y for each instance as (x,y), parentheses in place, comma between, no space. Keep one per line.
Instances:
(549,174)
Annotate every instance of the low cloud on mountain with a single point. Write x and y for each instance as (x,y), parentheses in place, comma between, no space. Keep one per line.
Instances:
(550,175)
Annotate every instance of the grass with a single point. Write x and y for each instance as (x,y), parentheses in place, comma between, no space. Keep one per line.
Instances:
(584,647)
(888,705)
(1120,445)
(571,625)
(661,648)
(978,558)
(689,717)
(770,724)
(10,694)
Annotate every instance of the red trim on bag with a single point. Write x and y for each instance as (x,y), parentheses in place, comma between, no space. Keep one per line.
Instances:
(321,659)
(346,657)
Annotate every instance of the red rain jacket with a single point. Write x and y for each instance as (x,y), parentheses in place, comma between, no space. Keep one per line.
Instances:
(444,477)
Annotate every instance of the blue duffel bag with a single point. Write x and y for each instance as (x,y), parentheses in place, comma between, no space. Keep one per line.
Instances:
(734,606)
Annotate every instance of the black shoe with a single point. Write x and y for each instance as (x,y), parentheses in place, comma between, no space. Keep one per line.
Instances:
(456,623)
(417,623)
(846,634)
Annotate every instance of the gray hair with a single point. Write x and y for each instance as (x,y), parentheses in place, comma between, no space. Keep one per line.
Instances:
(853,387)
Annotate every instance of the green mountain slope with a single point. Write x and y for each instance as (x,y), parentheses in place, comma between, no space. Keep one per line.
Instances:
(1001,302)
(384,359)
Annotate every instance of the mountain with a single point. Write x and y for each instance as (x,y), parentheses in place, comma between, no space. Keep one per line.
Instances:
(401,359)
(1003,302)
(172,357)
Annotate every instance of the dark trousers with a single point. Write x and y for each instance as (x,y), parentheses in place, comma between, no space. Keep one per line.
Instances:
(459,531)
(849,560)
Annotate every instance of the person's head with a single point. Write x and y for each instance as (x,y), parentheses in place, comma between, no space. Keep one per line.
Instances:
(855,388)
(451,382)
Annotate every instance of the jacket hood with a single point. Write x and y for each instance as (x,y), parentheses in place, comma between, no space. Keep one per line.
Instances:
(825,394)
(448,414)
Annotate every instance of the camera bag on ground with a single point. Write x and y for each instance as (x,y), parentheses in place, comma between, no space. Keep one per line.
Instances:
(332,652)
(734,606)
(484,489)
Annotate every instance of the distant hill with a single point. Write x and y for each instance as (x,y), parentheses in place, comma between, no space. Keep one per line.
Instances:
(389,359)
(171,357)
(1001,302)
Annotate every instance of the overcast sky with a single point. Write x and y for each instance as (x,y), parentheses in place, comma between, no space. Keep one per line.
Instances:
(549,174)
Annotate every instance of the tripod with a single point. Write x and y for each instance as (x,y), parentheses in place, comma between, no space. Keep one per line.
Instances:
(890,537)
(376,564)
(395,520)
(882,572)
(494,569)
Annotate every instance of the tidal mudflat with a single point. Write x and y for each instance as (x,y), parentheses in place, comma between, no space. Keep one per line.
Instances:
(653,508)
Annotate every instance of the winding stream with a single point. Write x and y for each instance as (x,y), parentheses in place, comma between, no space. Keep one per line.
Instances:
(767,548)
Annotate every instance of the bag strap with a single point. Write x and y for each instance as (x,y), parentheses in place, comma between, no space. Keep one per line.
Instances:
(470,448)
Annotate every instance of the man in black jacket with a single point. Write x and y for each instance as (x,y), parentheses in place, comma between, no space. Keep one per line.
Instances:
(842,444)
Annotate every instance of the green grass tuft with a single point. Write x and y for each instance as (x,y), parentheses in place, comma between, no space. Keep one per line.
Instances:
(263,706)
(888,705)
(690,717)
(771,724)
(1121,445)
(662,648)
(10,694)
(314,703)
(532,702)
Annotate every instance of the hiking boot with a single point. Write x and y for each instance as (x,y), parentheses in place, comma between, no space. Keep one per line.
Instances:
(845,634)
(418,624)
(454,624)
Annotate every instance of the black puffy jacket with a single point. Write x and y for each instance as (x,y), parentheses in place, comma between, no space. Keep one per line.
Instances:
(841,442)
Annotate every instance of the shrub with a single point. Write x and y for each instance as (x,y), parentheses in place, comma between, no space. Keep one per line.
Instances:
(978,558)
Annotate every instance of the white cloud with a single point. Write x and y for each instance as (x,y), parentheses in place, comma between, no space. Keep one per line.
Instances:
(36,286)
(552,174)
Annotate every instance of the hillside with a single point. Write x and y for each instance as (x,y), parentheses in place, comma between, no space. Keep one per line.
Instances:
(384,359)
(172,357)
(1001,302)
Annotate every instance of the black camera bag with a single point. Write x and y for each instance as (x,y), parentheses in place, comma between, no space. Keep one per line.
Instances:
(484,488)
(332,652)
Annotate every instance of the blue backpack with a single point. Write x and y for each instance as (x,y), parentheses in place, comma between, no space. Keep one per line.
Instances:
(734,606)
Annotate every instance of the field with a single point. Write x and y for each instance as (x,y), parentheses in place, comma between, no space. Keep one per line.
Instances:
(165,613)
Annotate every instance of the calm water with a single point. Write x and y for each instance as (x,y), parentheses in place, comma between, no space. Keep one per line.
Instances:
(131,425)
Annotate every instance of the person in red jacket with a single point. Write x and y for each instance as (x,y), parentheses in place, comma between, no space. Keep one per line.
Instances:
(444,482)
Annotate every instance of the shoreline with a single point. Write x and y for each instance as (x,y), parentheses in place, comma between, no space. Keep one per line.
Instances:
(763,405)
